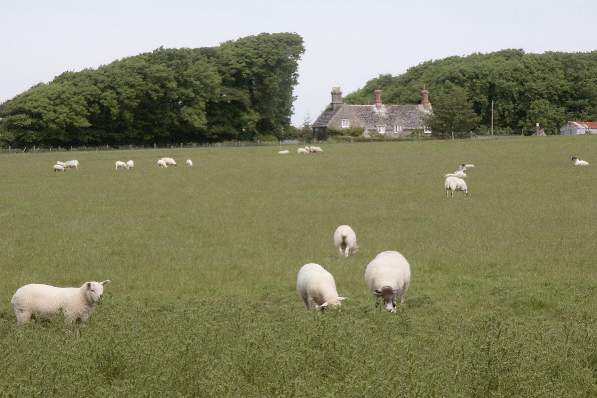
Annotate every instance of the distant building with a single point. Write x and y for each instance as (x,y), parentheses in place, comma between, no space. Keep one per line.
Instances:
(387,120)
(575,128)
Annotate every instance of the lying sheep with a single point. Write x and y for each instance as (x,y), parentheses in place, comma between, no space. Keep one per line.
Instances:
(130,164)
(345,240)
(284,152)
(59,167)
(388,276)
(579,162)
(317,287)
(315,149)
(72,164)
(453,184)
(162,163)
(119,164)
(169,161)
(301,150)
(189,163)
(43,301)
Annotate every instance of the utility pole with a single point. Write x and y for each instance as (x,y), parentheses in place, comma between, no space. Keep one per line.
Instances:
(491,117)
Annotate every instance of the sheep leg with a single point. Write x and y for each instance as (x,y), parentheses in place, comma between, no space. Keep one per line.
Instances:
(347,251)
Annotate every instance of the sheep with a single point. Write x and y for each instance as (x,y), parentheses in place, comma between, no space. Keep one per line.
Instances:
(59,167)
(43,301)
(345,240)
(579,162)
(162,163)
(315,149)
(302,151)
(58,162)
(169,161)
(453,184)
(72,164)
(284,152)
(465,166)
(189,163)
(119,164)
(317,288)
(388,276)
(458,173)
(130,164)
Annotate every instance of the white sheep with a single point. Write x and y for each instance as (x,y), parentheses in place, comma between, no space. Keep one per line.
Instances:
(58,162)
(72,164)
(189,163)
(130,164)
(169,161)
(316,287)
(457,173)
(59,167)
(345,240)
(284,152)
(43,301)
(579,162)
(302,151)
(388,276)
(315,149)
(119,164)
(453,184)
(162,163)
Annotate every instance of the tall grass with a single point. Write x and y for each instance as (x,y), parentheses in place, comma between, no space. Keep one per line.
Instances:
(503,298)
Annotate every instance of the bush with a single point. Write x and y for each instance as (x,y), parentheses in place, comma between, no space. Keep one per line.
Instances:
(351,132)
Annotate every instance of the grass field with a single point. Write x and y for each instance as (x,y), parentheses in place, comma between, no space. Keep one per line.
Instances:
(203,262)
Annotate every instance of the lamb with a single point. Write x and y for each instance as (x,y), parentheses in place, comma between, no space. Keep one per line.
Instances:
(72,164)
(302,150)
(453,184)
(162,163)
(579,162)
(317,288)
(130,164)
(43,301)
(388,276)
(345,240)
(119,164)
(59,167)
(284,152)
(189,163)
(169,161)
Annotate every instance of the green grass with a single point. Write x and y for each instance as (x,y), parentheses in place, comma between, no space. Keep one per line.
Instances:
(203,262)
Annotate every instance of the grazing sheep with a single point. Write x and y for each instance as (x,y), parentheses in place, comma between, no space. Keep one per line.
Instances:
(59,167)
(60,163)
(43,301)
(345,240)
(316,287)
(162,163)
(387,277)
(169,161)
(453,184)
(72,164)
(189,163)
(302,150)
(579,162)
(119,164)
(284,152)
(130,164)
(315,149)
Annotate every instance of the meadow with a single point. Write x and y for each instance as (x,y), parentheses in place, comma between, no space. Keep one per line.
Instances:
(203,263)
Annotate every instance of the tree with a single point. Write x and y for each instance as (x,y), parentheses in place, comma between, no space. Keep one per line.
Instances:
(549,116)
(452,115)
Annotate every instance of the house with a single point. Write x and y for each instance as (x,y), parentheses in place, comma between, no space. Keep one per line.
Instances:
(377,119)
(575,128)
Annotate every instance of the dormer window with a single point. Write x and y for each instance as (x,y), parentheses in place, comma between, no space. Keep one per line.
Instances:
(345,123)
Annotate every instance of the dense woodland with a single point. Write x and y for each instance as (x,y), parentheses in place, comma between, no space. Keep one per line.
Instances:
(239,90)
(547,88)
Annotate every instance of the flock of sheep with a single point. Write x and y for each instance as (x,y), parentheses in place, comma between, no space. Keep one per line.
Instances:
(303,150)
(119,164)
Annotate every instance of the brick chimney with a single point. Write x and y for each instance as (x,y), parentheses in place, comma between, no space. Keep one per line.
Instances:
(377,99)
(425,98)
(337,100)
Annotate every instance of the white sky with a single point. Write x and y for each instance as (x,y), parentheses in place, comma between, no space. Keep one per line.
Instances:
(347,42)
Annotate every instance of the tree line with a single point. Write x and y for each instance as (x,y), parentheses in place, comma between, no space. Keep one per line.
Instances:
(240,90)
(525,89)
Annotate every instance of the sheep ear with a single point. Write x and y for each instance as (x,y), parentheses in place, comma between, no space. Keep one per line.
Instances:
(106,282)
(88,285)
(322,306)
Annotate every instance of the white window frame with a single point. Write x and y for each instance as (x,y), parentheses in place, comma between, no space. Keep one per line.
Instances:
(398,128)
(345,123)
(381,130)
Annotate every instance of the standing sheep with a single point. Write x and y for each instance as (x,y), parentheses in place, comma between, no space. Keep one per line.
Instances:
(169,161)
(130,164)
(58,167)
(189,163)
(162,163)
(119,164)
(302,151)
(316,287)
(453,184)
(388,277)
(345,240)
(43,301)
(72,164)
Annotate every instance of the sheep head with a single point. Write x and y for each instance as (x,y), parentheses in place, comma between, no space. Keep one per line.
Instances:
(388,295)
(94,291)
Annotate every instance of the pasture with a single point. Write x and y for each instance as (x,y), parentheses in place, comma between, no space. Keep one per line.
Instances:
(203,263)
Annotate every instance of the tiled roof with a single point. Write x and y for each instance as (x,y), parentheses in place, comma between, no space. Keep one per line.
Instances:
(583,125)
(325,117)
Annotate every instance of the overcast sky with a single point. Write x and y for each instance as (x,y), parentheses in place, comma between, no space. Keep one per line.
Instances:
(347,42)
